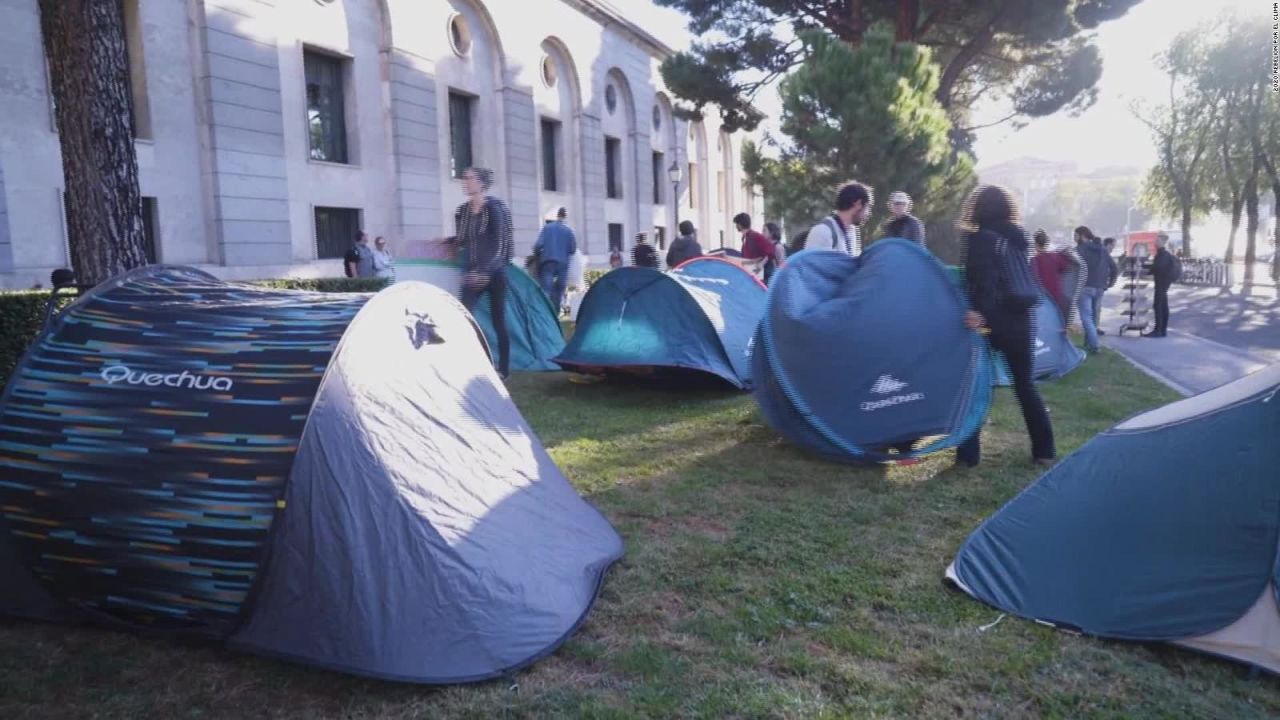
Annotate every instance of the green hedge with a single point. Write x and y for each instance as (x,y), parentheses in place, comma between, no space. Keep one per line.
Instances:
(21,316)
(22,312)
(594,275)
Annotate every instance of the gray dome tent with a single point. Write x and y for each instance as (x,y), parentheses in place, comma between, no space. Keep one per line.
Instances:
(337,480)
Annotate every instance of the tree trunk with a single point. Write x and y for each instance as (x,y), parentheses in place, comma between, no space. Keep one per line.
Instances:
(908,19)
(85,44)
(1275,231)
(967,54)
(1251,225)
(1186,229)
(1237,210)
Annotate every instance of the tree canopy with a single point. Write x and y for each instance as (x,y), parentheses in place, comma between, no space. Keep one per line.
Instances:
(1219,134)
(1037,55)
(868,112)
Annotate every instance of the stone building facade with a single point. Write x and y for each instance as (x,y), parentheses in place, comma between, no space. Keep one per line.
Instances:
(270,130)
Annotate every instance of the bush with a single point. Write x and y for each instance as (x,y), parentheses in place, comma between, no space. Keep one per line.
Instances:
(594,275)
(21,317)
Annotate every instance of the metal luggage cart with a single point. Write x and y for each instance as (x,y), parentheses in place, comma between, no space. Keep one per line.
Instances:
(1137,300)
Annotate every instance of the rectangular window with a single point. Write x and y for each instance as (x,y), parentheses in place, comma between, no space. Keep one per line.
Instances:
(137,70)
(612,156)
(460,157)
(658,172)
(150,223)
(615,237)
(336,230)
(326,117)
(550,154)
(693,185)
(720,190)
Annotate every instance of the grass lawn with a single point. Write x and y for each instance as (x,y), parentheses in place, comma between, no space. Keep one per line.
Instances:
(758,582)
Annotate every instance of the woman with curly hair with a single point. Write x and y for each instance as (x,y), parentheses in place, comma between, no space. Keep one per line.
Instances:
(1002,294)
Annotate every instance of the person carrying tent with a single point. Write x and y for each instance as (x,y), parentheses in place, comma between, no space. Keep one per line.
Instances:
(1049,267)
(1002,292)
(484,237)
(1166,268)
(643,254)
(839,230)
(903,224)
(685,247)
(555,245)
(756,247)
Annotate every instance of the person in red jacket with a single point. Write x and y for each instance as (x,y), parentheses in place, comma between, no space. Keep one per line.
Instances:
(755,245)
(1048,267)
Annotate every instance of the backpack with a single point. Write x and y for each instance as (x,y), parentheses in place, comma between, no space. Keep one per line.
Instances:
(1177,268)
(836,235)
(1019,287)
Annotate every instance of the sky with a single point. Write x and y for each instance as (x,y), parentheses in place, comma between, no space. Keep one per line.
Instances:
(1104,135)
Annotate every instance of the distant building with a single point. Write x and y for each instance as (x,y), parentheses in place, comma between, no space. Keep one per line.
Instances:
(269,131)
(1032,180)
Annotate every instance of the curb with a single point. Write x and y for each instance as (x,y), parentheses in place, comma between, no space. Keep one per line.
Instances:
(1155,374)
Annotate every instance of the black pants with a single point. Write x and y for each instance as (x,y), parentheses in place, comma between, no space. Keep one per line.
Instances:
(1162,309)
(1016,346)
(497,288)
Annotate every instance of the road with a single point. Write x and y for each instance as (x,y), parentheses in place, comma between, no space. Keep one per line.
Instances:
(1216,335)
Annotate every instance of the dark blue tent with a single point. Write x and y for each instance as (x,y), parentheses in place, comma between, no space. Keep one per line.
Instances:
(337,480)
(698,317)
(1164,527)
(533,325)
(856,354)
(1054,353)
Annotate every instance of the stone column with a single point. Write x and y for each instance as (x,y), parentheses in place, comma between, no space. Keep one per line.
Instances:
(415,142)
(522,167)
(6,246)
(594,236)
(240,95)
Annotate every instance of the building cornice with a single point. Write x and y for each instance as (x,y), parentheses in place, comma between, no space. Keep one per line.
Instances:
(607,15)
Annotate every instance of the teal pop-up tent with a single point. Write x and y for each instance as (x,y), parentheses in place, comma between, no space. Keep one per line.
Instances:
(1163,528)
(532,324)
(698,317)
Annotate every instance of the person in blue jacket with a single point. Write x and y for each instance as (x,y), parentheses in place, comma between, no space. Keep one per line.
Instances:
(556,244)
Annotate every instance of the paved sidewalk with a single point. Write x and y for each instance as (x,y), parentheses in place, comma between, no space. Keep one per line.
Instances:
(1228,335)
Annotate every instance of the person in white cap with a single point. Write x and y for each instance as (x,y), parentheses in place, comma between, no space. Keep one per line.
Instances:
(903,224)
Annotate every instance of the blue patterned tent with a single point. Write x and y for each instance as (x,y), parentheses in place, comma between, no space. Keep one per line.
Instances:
(338,480)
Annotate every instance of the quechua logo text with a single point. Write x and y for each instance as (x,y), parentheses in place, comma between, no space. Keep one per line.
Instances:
(117,374)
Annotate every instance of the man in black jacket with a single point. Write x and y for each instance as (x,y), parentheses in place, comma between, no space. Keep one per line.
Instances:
(685,247)
(643,254)
(1165,269)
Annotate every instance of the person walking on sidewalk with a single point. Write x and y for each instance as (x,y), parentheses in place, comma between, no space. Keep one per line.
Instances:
(484,239)
(1101,273)
(1165,270)
(556,244)
(1002,293)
